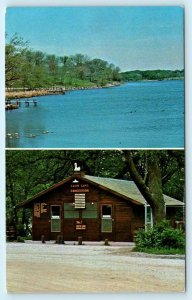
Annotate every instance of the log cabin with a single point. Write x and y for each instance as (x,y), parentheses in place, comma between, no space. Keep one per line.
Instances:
(94,208)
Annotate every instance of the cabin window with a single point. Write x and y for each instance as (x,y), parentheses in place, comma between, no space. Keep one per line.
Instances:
(70,212)
(106,218)
(106,211)
(55,218)
(90,211)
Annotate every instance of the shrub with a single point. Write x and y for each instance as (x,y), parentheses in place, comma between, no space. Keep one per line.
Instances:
(20,239)
(161,236)
(172,238)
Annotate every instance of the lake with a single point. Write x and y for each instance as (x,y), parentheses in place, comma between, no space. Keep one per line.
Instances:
(134,115)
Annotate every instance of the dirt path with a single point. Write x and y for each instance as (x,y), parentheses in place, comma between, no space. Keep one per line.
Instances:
(68,268)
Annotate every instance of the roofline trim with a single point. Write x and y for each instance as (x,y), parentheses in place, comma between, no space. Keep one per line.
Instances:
(57,185)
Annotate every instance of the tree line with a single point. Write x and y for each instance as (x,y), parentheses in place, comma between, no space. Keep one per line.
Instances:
(138,75)
(154,171)
(27,68)
(31,69)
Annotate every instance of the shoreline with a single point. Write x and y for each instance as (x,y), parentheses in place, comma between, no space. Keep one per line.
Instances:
(10,95)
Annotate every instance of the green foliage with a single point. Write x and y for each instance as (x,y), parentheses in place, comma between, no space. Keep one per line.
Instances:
(75,82)
(27,238)
(138,75)
(26,68)
(20,239)
(15,50)
(161,236)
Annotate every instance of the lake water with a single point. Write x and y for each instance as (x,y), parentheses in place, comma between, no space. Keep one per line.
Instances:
(133,115)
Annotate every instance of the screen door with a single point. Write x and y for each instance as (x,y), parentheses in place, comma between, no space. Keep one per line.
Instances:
(55,218)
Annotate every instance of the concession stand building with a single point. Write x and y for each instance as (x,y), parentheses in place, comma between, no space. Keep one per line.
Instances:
(94,208)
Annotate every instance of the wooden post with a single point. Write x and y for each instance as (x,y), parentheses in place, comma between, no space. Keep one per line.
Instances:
(80,239)
(106,243)
(60,239)
(43,239)
(27,103)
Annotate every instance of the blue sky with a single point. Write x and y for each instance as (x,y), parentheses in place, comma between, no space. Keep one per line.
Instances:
(130,37)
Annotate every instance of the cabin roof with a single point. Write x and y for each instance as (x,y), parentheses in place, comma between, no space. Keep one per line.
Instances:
(128,189)
(122,188)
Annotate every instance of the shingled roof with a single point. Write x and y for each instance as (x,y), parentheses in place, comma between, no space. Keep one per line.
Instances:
(123,188)
(128,189)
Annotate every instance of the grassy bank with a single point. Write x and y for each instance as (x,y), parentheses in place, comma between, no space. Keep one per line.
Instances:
(42,92)
(26,94)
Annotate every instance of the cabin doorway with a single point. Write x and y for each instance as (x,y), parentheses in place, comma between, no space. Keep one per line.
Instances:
(55,220)
(107,222)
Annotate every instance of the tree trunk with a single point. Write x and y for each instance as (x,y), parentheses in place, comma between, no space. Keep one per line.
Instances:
(14,218)
(153,192)
(155,186)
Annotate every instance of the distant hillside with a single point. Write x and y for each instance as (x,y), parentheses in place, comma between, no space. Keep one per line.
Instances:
(138,75)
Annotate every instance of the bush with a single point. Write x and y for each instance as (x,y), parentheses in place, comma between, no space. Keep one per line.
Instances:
(161,236)
(20,239)
(27,238)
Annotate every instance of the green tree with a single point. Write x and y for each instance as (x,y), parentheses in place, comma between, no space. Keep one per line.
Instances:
(15,49)
(150,181)
(30,69)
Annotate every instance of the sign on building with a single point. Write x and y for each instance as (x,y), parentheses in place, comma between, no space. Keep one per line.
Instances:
(79,200)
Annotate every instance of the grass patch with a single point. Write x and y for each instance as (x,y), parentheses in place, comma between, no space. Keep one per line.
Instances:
(27,238)
(163,251)
(78,83)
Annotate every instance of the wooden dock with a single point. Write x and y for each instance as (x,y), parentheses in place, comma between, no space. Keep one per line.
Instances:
(12,104)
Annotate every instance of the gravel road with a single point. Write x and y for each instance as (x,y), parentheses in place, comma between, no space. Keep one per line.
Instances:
(35,267)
